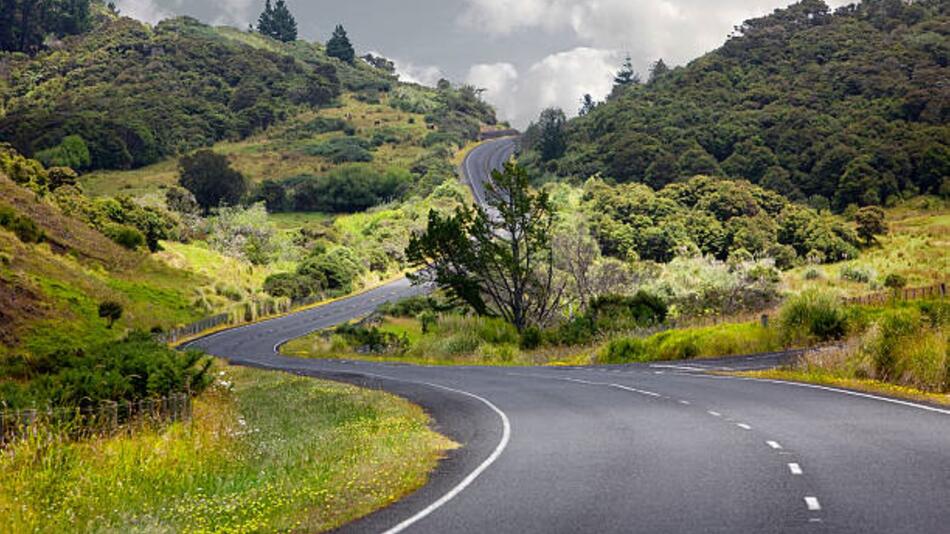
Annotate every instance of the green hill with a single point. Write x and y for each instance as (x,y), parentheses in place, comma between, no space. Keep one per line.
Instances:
(849,107)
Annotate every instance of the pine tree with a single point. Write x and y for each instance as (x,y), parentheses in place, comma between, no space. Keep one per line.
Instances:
(339,45)
(284,24)
(658,70)
(626,75)
(265,22)
(587,105)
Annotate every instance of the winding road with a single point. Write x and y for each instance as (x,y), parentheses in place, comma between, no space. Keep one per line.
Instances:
(637,448)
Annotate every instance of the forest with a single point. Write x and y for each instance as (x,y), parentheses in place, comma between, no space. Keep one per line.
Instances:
(832,108)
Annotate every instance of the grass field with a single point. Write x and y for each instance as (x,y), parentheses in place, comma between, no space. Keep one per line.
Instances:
(265,452)
(917,247)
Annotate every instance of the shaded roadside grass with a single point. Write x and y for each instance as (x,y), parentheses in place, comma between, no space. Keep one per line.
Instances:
(265,451)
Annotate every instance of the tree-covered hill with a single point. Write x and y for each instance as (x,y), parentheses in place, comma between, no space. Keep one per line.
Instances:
(135,94)
(844,107)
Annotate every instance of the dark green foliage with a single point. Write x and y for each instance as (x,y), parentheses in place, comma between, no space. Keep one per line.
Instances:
(126,236)
(59,176)
(895,281)
(812,316)
(415,306)
(551,138)
(71,152)
(437,138)
(25,23)
(211,179)
(716,217)
(610,314)
(136,95)
(339,45)
(456,111)
(499,264)
(343,150)
(870,221)
(347,189)
(625,77)
(843,108)
(127,370)
(335,270)
(277,22)
(25,229)
(111,311)
(274,196)
(292,285)
(372,339)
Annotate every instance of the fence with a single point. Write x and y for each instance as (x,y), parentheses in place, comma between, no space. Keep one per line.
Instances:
(908,293)
(241,314)
(105,419)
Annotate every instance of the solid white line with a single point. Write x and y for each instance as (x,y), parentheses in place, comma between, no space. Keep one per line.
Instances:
(831,389)
(773,444)
(505,436)
(812,503)
(743,426)
(714,414)
(795,468)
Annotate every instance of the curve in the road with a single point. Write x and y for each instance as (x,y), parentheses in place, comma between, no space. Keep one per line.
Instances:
(638,448)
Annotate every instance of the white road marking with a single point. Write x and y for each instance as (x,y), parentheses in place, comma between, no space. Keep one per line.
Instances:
(635,390)
(684,402)
(682,367)
(812,504)
(773,444)
(714,414)
(795,468)
(743,426)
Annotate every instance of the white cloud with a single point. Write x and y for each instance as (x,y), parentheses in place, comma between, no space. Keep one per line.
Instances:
(559,80)
(421,74)
(144,10)
(238,12)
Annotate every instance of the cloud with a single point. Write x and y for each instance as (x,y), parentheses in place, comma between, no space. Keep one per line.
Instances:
(143,10)
(558,80)
(237,12)
(421,74)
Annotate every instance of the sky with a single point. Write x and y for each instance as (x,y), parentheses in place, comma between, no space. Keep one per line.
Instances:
(527,54)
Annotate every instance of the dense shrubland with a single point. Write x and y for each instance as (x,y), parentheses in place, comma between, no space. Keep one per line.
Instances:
(830,108)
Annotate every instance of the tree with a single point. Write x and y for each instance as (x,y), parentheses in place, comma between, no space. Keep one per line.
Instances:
(111,311)
(211,179)
(498,259)
(658,70)
(283,25)
(273,194)
(625,77)
(552,140)
(24,24)
(587,105)
(339,45)
(870,221)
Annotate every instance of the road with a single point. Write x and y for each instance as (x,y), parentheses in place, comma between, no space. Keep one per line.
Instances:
(638,448)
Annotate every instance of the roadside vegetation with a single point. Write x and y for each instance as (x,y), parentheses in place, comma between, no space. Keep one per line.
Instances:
(264,451)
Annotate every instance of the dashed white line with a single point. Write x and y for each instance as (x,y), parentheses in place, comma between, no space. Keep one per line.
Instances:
(795,468)
(773,444)
(812,503)
(743,426)
(714,414)
(635,390)
(684,402)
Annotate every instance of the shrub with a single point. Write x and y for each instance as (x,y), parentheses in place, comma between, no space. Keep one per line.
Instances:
(348,189)
(895,281)
(372,339)
(23,227)
(342,150)
(812,316)
(531,338)
(110,311)
(624,350)
(211,179)
(126,236)
(856,273)
(292,285)
(813,274)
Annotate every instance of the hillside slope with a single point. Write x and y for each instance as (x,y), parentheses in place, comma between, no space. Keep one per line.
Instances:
(849,107)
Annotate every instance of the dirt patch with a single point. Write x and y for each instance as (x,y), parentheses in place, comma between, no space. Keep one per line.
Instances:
(16,303)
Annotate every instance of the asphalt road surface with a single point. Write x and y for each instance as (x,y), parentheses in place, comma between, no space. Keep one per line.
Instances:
(638,448)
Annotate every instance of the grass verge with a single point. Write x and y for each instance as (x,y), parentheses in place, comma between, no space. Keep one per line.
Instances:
(265,451)
(826,378)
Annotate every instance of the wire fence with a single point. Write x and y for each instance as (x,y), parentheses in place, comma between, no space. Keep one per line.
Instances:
(106,418)
(907,293)
(241,314)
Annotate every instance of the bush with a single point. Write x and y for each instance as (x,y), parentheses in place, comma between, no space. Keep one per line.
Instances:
(136,367)
(23,227)
(349,189)
(292,285)
(126,236)
(211,179)
(624,350)
(856,273)
(372,340)
(531,338)
(342,150)
(895,281)
(111,311)
(812,316)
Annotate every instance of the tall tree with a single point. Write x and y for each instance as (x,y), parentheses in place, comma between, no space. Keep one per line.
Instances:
(24,24)
(265,21)
(339,45)
(277,22)
(499,259)
(626,75)
(657,70)
(211,179)
(552,139)
(587,104)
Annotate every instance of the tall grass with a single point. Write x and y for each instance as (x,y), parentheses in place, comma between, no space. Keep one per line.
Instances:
(688,343)
(265,452)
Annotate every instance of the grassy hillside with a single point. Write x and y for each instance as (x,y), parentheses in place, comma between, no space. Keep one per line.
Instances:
(833,108)
(51,290)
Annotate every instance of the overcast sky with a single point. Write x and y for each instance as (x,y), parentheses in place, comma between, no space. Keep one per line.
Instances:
(527,54)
